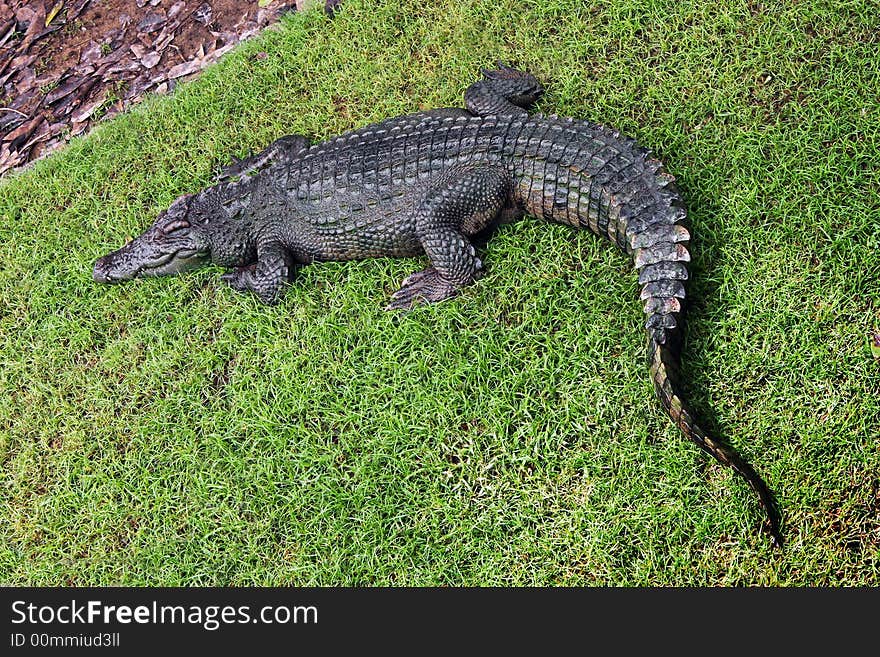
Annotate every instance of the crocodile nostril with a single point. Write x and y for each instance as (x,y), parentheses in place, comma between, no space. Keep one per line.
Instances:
(99,273)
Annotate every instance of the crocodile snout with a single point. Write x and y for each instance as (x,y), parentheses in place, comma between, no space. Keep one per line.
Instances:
(101,272)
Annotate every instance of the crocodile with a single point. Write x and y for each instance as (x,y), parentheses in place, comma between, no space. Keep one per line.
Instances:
(429,184)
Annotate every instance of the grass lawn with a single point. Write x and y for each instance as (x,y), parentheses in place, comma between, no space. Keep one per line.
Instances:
(174,432)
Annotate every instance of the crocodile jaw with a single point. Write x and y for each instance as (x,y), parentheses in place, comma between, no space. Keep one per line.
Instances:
(113,269)
(149,255)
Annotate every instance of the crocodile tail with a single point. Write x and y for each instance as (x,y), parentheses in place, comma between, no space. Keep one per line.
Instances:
(658,242)
(664,364)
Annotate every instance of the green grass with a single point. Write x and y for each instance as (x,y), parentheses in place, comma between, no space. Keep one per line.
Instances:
(173,432)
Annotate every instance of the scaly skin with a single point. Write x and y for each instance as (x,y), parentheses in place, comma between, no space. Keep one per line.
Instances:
(425,184)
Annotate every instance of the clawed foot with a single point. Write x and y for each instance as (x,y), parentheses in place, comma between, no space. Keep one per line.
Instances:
(239,279)
(424,286)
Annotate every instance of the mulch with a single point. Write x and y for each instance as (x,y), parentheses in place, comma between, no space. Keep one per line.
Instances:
(66,64)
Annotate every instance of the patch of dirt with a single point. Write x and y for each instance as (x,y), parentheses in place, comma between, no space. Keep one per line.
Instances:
(65,64)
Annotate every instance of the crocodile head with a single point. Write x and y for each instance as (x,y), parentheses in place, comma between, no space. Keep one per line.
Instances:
(176,242)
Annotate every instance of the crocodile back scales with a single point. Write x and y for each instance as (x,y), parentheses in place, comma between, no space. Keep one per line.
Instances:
(564,170)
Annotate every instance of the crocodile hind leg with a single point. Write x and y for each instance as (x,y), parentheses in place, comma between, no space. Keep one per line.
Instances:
(504,91)
(466,201)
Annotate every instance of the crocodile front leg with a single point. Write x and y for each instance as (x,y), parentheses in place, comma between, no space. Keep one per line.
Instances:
(466,201)
(266,276)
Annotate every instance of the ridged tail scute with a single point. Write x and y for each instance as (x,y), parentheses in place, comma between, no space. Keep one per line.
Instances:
(658,242)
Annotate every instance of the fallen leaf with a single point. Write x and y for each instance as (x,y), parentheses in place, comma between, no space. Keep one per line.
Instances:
(184,68)
(10,117)
(22,60)
(62,90)
(176,8)
(78,128)
(25,14)
(7,31)
(138,87)
(151,23)
(77,10)
(115,38)
(204,14)
(47,80)
(162,41)
(124,67)
(91,53)
(34,28)
(151,59)
(23,132)
(45,133)
(86,111)
(25,79)
(9,159)
(222,51)
(53,12)
(82,95)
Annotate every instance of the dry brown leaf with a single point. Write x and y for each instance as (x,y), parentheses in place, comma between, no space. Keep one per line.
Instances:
(7,31)
(70,94)
(86,111)
(184,68)
(25,14)
(204,14)
(151,59)
(77,10)
(138,87)
(62,90)
(152,22)
(45,132)
(34,28)
(9,159)
(23,132)
(175,9)
(91,53)
(163,40)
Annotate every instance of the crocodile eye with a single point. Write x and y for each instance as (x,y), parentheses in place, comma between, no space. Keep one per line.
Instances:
(179,224)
